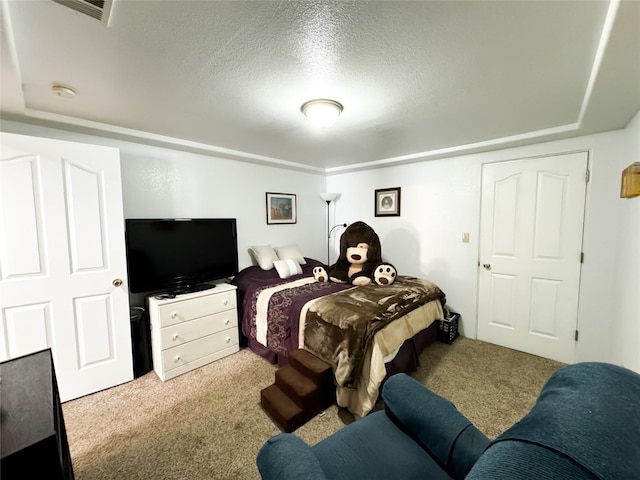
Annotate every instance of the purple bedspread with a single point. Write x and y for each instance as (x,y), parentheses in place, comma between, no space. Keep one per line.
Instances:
(284,306)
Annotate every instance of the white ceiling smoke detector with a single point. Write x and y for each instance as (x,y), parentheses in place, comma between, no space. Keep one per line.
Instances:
(63,91)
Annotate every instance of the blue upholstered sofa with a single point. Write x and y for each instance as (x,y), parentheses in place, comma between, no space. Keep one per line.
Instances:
(585,425)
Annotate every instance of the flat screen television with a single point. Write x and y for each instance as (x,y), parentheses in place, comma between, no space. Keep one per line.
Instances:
(179,255)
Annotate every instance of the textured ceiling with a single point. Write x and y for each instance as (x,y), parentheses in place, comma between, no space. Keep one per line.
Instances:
(420,79)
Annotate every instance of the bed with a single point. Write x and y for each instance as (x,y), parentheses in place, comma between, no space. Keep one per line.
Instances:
(364,332)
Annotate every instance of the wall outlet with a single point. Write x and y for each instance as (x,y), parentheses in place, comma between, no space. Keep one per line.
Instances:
(465,238)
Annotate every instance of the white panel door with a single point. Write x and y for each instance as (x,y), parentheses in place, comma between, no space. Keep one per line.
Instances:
(62,255)
(532,215)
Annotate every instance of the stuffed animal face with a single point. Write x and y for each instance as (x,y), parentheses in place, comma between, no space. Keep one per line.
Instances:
(359,254)
(353,240)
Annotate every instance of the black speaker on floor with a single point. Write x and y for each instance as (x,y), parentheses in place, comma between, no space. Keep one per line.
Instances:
(140,342)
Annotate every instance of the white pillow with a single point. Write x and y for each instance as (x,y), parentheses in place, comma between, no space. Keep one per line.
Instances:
(287,268)
(264,255)
(291,251)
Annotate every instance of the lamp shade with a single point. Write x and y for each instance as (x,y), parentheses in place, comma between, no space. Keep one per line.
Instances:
(328,197)
(322,112)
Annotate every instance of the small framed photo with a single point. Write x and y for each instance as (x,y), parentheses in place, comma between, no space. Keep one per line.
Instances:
(281,208)
(387,202)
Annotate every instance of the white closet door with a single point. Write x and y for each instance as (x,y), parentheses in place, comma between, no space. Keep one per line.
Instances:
(62,261)
(530,242)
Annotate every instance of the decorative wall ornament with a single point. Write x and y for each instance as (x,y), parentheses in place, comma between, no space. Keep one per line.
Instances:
(281,208)
(387,202)
(630,184)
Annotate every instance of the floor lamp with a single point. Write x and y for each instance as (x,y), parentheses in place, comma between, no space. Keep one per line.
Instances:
(328,197)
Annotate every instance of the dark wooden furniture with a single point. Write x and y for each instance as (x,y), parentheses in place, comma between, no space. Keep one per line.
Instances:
(302,389)
(33,440)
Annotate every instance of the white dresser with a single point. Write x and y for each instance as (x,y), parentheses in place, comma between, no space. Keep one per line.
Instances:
(193,329)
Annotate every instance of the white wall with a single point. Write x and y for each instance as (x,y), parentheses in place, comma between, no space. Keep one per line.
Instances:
(440,201)
(160,182)
(625,349)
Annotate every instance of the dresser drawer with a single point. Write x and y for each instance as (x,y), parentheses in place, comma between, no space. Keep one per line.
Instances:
(190,352)
(185,310)
(192,329)
(188,331)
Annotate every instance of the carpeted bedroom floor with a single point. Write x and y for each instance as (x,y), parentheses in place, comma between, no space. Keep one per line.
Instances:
(208,423)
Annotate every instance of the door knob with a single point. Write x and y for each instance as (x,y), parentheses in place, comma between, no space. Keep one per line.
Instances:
(487,266)
(117,282)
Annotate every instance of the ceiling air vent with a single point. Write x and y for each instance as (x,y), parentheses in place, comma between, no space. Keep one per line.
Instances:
(97,9)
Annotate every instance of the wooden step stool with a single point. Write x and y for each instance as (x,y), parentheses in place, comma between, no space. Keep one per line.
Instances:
(302,389)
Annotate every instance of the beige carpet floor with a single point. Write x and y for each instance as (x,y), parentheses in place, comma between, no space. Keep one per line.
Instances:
(208,423)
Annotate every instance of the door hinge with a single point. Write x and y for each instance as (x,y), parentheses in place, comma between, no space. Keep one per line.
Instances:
(581,257)
(587,176)
(576,336)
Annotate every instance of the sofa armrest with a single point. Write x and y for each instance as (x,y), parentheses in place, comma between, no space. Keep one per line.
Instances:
(287,457)
(590,413)
(435,423)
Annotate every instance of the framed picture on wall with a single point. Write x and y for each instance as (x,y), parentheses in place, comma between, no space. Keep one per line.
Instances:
(281,208)
(387,202)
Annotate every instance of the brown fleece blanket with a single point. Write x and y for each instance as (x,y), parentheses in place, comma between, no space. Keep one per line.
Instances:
(339,327)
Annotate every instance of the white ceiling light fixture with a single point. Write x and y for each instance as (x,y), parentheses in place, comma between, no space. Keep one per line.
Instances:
(322,112)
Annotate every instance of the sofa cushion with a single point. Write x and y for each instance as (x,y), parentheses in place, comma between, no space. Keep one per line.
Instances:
(434,423)
(374,448)
(466,450)
(286,457)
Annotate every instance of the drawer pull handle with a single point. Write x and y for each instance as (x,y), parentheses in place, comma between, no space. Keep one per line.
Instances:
(228,339)
(226,322)
(176,359)
(174,314)
(226,302)
(174,337)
